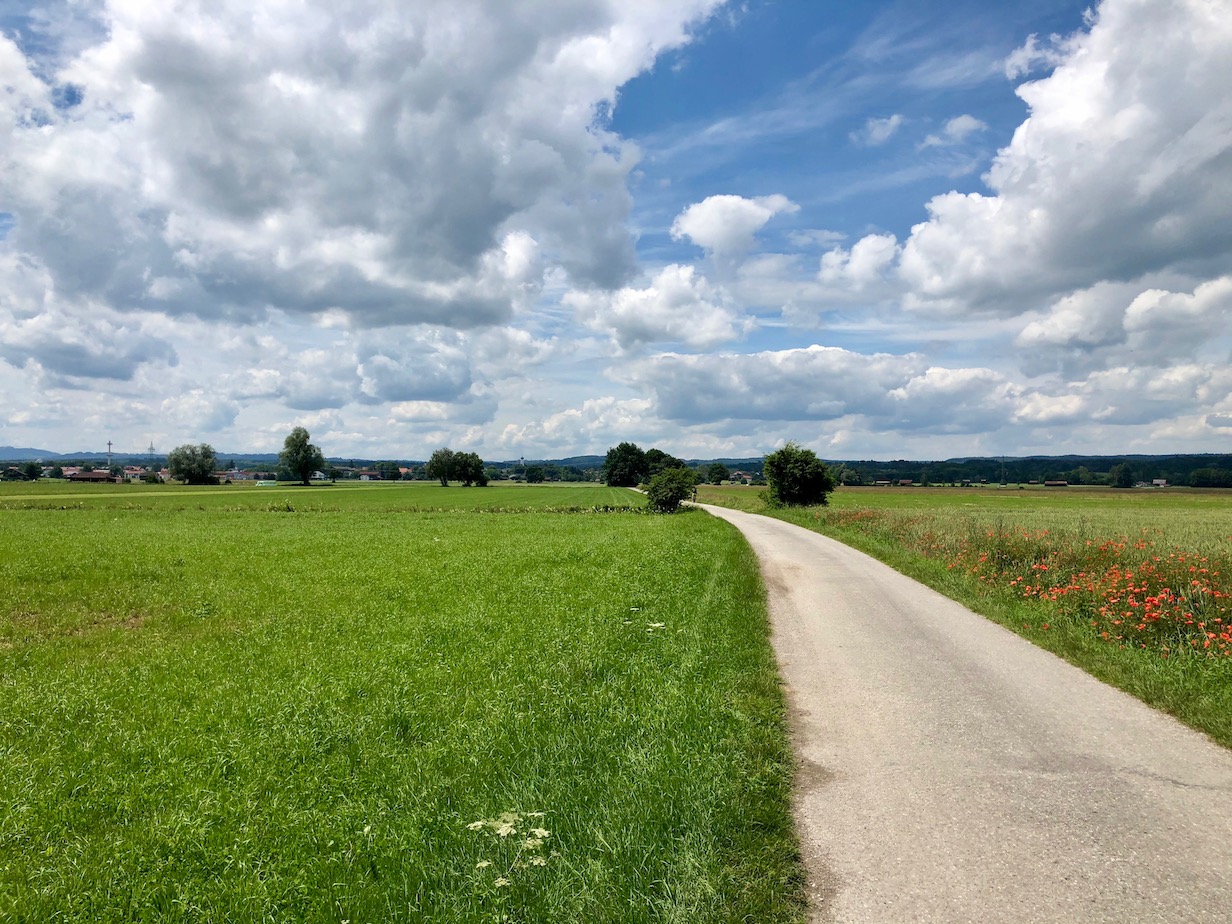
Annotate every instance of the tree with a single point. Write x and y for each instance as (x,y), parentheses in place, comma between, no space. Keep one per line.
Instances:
(625,466)
(797,478)
(193,464)
(668,489)
(1121,476)
(390,471)
(32,470)
(57,471)
(1082,475)
(468,468)
(717,473)
(536,474)
(1211,478)
(440,466)
(299,456)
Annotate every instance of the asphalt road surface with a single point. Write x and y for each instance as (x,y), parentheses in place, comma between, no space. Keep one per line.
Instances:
(950,771)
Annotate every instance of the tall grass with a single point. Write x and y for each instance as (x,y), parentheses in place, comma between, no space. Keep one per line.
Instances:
(346,707)
(1134,586)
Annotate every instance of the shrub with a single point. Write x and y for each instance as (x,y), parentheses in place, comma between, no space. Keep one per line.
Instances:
(669,488)
(797,478)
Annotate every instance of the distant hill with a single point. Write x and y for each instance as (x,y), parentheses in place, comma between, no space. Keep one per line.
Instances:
(582,462)
(736,465)
(24,454)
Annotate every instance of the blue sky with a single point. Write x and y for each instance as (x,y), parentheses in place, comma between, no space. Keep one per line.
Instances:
(883,229)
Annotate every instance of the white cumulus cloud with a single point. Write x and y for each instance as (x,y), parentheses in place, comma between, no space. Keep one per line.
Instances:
(725,225)
(678,306)
(410,163)
(865,263)
(1122,169)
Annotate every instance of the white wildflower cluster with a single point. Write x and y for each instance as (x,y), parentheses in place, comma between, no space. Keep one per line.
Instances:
(518,841)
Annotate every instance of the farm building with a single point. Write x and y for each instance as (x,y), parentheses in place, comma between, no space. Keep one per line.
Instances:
(94,476)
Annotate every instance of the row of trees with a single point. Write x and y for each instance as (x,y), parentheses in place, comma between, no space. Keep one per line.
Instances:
(627,465)
(197,464)
(301,458)
(794,476)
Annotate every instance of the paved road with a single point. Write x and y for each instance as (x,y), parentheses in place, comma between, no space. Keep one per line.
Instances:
(950,771)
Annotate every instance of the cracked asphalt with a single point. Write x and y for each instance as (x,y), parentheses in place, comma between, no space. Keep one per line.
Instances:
(950,771)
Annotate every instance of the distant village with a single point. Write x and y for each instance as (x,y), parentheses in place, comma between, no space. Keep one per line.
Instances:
(150,474)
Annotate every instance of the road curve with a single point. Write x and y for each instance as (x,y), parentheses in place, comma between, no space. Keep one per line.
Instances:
(950,771)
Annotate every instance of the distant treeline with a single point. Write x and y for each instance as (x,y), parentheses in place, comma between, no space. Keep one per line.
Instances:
(1199,471)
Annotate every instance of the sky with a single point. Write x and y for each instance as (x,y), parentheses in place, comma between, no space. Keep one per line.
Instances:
(921,229)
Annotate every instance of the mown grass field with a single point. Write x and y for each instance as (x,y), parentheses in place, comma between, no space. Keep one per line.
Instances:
(384,703)
(1134,586)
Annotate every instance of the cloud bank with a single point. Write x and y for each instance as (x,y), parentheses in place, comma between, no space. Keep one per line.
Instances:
(416,224)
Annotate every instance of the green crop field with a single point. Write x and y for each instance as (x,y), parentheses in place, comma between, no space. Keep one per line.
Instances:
(385,703)
(1134,586)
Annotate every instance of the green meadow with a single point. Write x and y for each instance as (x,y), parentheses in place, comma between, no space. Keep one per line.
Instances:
(385,703)
(1134,586)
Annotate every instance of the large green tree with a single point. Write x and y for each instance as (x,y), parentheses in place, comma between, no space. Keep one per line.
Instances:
(441,466)
(193,464)
(797,478)
(717,473)
(1121,476)
(657,460)
(625,466)
(299,456)
(468,469)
